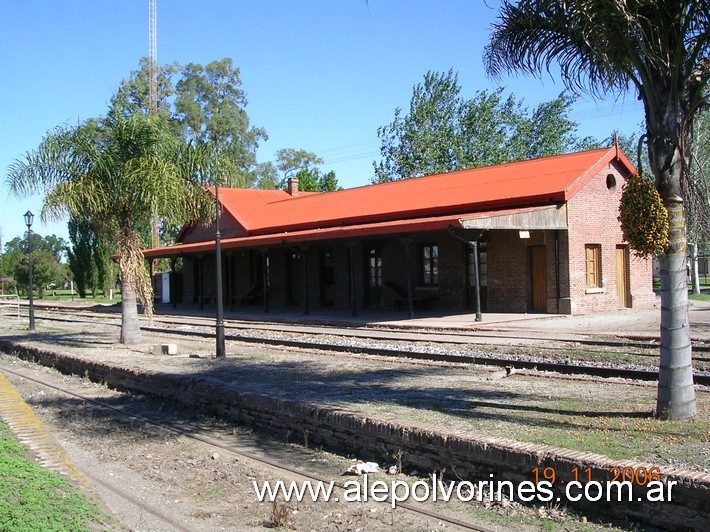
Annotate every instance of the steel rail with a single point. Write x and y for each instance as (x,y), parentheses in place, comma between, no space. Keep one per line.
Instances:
(461,337)
(234,450)
(565,368)
(465,336)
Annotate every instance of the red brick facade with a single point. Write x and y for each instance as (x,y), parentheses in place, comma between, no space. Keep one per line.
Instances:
(592,218)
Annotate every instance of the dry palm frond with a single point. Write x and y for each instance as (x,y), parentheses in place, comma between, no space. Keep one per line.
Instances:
(132,264)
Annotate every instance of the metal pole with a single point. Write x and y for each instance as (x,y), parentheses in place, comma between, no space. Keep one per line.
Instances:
(407,254)
(306,307)
(477,281)
(28,218)
(474,247)
(219,326)
(265,266)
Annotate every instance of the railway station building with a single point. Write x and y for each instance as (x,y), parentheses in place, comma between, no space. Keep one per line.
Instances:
(533,236)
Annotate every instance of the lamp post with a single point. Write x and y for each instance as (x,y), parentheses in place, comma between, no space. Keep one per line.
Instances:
(219,326)
(29,217)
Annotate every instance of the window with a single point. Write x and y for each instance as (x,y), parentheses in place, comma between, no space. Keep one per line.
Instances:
(430,264)
(593,265)
(375,267)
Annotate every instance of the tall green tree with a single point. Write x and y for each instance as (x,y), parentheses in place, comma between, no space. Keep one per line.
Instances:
(427,140)
(204,104)
(106,267)
(81,255)
(313,180)
(133,95)
(46,270)
(210,108)
(291,161)
(661,49)
(444,132)
(266,176)
(47,250)
(116,172)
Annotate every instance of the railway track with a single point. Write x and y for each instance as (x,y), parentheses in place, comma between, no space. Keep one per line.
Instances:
(321,339)
(193,434)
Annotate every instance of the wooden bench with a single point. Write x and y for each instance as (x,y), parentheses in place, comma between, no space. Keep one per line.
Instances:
(401,298)
(251,296)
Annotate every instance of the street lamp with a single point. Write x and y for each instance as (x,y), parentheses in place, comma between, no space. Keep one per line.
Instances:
(219,326)
(29,217)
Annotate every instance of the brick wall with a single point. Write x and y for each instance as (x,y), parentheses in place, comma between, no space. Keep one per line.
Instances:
(592,218)
(228,228)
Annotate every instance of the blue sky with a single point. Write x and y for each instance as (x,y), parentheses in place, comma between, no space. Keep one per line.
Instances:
(321,75)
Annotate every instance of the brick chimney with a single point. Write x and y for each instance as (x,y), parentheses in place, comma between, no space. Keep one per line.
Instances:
(292,184)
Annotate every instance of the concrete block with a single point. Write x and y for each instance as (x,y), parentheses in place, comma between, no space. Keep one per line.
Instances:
(168,349)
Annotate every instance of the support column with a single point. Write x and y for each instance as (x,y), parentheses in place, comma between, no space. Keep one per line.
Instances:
(474,248)
(265,257)
(407,258)
(230,280)
(173,283)
(306,305)
(200,287)
(351,272)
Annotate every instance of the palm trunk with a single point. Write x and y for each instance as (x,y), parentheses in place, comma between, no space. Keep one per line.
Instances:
(668,157)
(130,326)
(676,392)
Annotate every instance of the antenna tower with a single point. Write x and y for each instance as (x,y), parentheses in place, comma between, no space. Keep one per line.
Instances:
(153,55)
(153,66)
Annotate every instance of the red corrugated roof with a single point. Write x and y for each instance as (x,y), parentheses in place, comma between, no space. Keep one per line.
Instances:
(541,181)
(273,217)
(312,235)
(413,225)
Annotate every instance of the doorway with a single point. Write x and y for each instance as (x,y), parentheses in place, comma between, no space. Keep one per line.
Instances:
(622,276)
(373,269)
(538,278)
(327,278)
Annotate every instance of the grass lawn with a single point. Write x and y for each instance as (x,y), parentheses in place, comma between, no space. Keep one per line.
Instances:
(33,498)
(66,295)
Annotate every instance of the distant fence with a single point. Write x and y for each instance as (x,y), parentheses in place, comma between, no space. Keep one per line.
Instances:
(10,305)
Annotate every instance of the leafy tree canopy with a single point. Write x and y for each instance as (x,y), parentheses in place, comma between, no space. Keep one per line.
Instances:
(204,105)
(15,251)
(444,131)
(46,271)
(291,161)
(54,244)
(313,180)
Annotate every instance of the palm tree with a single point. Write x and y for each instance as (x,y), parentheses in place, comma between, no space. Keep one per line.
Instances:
(116,172)
(660,48)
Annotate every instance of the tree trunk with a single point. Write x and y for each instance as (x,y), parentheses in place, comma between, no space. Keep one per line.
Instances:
(130,326)
(694,277)
(676,392)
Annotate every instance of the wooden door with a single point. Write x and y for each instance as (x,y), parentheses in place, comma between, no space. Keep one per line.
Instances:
(538,278)
(622,276)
